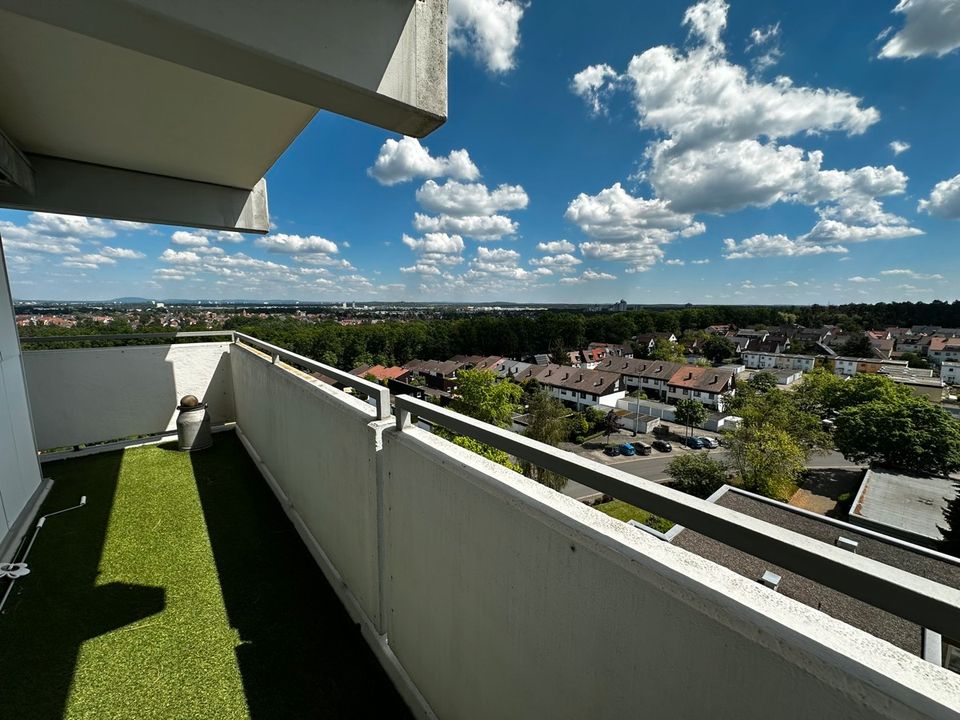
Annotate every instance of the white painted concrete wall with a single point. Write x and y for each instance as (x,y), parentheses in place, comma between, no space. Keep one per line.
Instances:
(506,600)
(319,445)
(19,469)
(97,394)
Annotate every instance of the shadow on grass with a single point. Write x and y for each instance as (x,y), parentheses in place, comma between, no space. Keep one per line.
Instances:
(300,656)
(54,609)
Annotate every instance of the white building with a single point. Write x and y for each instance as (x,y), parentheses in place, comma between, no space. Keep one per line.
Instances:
(852,365)
(779,361)
(950,373)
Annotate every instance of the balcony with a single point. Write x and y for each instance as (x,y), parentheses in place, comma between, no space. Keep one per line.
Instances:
(179,590)
(481,593)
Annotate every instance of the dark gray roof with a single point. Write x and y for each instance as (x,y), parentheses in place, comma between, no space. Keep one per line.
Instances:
(893,629)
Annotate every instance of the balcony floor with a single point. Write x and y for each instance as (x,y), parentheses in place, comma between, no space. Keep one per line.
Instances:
(181,590)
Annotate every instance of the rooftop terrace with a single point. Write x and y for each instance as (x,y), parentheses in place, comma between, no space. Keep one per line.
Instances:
(180,590)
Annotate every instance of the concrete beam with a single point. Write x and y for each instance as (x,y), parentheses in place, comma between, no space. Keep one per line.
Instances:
(76,188)
(379,61)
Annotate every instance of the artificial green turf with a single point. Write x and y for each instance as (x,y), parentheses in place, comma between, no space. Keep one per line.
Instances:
(179,591)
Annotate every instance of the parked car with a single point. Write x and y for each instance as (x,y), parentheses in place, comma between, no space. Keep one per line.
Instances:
(642,448)
(708,442)
(693,443)
(662,445)
(611,450)
(627,449)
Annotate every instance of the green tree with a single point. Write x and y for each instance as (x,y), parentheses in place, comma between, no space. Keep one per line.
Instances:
(905,433)
(667,351)
(689,412)
(481,395)
(558,353)
(951,530)
(610,424)
(857,346)
(548,423)
(697,474)
(718,348)
(488,451)
(768,460)
(916,360)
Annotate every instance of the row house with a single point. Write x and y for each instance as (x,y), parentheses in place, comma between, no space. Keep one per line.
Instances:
(440,375)
(651,376)
(579,387)
(944,349)
(756,360)
(612,349)
(709,386)
(588,359)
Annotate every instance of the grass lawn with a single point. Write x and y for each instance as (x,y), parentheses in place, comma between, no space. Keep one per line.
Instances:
(624,511)
(180,591)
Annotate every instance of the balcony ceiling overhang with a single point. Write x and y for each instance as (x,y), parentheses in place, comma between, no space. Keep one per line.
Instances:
(164,100)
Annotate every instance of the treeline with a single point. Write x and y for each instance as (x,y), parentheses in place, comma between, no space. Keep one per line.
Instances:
(397,342)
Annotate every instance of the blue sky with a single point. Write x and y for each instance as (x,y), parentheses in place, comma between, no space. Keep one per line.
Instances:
(705,152)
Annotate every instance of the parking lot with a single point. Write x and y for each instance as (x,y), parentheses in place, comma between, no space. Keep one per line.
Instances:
(654,466)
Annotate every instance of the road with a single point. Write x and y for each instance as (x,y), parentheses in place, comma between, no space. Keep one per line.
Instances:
(654,467)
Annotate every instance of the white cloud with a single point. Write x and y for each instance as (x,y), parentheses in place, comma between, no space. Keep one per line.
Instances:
(763,245)
(406,159)
(704,261)
(89,261)
(556,246)
(912,274)
(189,239)
(478,227)
(791,283)
(629,229)
(674,261)
(488,30)
(707,20)
(898,146)
(614,214)
(124,253)
(69,226)
(586,276)
(422,269)
(283,243)
(765,41)
(720,144)
(859,279)
(435,243)
(562,263)
(465,199)
(181,257)
(932,28)
(497,261)
(944,200)
(594,84)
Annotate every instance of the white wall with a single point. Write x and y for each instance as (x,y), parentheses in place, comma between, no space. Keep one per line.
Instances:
(19,469)
(506,600)
(319,445)
(96,394)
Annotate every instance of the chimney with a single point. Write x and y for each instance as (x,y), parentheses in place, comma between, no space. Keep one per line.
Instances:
(580,379)
(716,379)
(689,376)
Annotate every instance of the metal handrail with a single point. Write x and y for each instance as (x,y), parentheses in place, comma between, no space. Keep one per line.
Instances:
(922,601)
(380,394)
(49,339)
